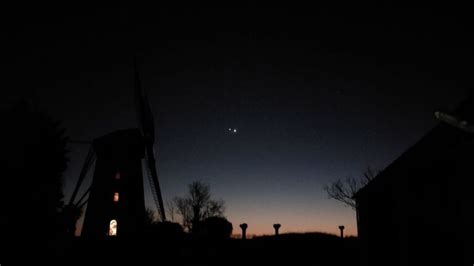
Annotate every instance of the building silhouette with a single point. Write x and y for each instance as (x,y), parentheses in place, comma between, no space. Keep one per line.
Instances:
(419,210)
(116,202)
(116,205)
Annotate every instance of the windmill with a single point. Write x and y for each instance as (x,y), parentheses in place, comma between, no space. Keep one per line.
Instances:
(115,199)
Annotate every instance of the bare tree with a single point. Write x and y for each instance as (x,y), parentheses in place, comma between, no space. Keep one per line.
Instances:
(184,210)
(150,216)
(214,208)
(149,219)
(344,190)
(197,205)
(171,209)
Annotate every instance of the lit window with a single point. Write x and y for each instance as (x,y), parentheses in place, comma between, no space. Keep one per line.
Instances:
(116,197)
(113,228)
(117,176)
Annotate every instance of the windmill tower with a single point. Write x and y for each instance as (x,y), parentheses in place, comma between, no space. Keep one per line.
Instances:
(116,205)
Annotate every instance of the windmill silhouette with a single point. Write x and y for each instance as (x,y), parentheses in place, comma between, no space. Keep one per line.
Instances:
(115,199)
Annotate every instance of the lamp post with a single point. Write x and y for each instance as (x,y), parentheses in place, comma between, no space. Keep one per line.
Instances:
(244,230)
(277,228)
(341,228)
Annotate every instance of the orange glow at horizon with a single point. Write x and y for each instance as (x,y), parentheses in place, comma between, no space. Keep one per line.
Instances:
(264,227)
(325,217)
(259,229)
(296,214)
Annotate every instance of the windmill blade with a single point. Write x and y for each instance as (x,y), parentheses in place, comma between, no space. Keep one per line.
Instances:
(146,122)
(154,183)
(80,202)
(90,158)
(80,206)
(144,114)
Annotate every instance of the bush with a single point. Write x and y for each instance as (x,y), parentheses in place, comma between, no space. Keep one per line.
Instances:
(215,228)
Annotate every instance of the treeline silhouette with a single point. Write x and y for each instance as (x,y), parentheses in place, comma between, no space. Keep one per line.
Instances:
(35,223)
(33,157)
(191,249)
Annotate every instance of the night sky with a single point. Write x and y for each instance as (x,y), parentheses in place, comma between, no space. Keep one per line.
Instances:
(316,93)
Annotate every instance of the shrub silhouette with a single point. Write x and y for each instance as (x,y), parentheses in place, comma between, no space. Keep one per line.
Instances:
(215,228)
(166,230)
(32,158)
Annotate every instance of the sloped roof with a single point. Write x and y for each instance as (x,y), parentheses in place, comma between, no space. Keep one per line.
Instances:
(434,145)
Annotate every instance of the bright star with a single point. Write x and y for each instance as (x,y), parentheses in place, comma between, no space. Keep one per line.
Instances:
(232,130)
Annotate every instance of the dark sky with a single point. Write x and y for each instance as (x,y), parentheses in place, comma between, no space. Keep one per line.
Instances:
(317,93)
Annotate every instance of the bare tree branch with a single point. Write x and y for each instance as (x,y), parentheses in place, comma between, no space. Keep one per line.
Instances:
(171,209)
(369,175)
(344,190)
(197,205)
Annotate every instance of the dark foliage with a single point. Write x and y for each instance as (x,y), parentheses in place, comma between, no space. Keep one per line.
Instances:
(33,158)
(287,249)
(165,230)
(214,228)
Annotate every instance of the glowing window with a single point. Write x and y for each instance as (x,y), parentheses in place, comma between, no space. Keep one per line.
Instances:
(116,197)
(113,228)
(117,175)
